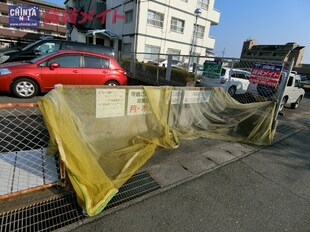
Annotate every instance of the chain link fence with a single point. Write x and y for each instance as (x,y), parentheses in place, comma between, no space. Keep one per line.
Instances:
(236,76)
(24,165)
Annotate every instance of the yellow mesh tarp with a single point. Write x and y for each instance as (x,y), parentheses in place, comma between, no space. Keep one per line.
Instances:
(104,135)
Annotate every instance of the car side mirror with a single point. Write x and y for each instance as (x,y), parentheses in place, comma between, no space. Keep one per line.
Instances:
(54,65)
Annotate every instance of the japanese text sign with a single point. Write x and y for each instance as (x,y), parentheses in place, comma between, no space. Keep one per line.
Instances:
(110,103)
(266,74)
(212,69)
(71,16)
(138,102)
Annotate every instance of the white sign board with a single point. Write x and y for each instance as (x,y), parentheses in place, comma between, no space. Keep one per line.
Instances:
(196,96)
(110,103)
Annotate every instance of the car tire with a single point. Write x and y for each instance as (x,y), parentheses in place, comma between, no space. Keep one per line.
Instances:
(296,104)
(232,90)
(25,88)
(282,103)
(112,83)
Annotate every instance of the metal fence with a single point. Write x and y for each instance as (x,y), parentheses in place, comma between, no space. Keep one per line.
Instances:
(24,165)
(234,77)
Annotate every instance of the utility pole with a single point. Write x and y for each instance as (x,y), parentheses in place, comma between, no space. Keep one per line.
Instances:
(223,52)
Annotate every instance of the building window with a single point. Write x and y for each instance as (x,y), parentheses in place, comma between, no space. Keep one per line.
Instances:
(129,16)
(200,30)
(155,18)
(151,49)
(177,25)
(203,4)
(126,47)
(174,52)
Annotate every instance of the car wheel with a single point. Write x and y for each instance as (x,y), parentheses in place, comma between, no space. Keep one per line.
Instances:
(112,83)
(232,90)
(282,104)
(296,104)
(25,88)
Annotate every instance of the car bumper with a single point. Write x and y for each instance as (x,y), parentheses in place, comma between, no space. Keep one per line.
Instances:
(5,84)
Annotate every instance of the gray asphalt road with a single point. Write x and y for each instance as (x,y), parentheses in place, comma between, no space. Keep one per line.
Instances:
(266,191)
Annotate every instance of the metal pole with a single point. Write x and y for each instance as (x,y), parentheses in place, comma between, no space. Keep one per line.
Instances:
(230,73)
(192,45)
(157,70)
(281,92)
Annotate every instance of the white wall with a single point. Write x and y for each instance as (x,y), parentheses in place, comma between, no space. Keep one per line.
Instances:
(163,37)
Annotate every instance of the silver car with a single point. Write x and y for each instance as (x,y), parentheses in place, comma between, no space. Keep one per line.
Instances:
(236,81)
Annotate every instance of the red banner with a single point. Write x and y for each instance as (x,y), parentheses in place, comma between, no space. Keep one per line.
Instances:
(266,74)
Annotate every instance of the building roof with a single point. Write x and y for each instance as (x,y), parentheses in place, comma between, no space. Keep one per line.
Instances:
(299,48)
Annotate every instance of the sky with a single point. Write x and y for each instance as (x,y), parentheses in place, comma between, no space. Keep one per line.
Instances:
(267,21)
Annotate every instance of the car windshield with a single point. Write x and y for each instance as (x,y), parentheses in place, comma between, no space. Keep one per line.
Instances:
(30,45)
(175,62)
(35,60)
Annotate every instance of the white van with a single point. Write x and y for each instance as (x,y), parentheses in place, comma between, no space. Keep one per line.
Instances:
(293,93)
(238,83)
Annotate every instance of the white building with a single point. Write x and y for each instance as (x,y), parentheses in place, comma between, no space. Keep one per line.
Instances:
(160,26)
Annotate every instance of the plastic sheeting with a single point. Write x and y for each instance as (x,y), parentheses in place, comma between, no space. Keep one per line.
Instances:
(105,134)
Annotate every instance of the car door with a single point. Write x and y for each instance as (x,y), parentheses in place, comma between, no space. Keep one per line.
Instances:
(68,73)
(95,70)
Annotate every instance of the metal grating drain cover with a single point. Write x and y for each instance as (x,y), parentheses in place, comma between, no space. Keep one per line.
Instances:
(64,210)
(305,121)
(138,185)
(285,129)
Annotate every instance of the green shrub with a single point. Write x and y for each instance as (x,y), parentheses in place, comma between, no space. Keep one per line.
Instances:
(150,71)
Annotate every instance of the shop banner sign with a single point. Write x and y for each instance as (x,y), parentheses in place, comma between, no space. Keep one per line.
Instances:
(266,74)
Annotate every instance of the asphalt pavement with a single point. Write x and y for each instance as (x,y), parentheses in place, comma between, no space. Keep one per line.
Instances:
(211,185)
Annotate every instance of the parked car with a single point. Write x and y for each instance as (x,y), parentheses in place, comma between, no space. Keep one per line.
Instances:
(164,62)
(293,93)
(238,83)
(44,46)
(156,61)
(305,80)
(26,79)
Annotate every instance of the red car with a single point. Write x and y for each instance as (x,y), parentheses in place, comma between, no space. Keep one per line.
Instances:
(28,78)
